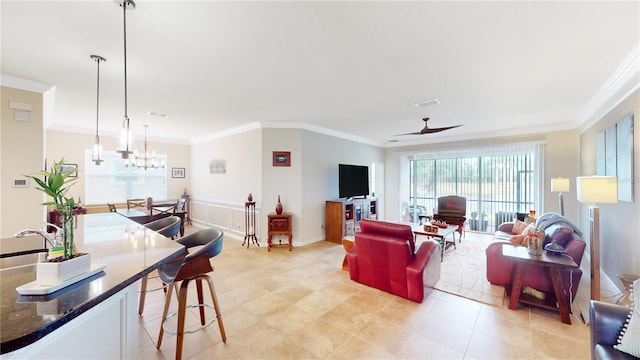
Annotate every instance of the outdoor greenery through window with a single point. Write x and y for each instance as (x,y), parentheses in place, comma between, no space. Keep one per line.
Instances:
(498,183)
(112,182)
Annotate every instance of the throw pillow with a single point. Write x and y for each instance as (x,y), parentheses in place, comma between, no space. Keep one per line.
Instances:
(518,240)
(528,219)
(527,229)
(629,338)
(560,234)
(518,226)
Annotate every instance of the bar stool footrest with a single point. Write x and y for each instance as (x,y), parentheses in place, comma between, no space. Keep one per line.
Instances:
(191,331)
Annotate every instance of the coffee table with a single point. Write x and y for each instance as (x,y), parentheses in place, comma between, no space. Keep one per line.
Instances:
(441,235)
(553,263)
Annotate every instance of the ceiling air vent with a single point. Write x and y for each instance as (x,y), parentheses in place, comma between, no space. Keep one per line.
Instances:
(424,104)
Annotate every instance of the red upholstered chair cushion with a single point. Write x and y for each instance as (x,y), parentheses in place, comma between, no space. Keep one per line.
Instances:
(383,257)
(453,206)
(399,232)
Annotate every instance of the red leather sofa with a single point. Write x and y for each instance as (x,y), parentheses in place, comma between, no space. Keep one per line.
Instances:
(499,269)
(384,257)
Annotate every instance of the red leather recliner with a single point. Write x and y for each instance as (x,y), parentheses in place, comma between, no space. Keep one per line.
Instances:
(384,257)
(453,210)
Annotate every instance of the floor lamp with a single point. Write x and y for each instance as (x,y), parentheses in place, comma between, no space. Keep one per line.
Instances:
(560,185)
(592,190)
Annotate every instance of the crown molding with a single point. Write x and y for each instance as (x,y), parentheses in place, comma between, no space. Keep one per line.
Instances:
(285,125)
(26,85)
(622,83)
(227,132)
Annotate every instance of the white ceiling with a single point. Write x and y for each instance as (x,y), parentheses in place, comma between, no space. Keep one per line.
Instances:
(499,68)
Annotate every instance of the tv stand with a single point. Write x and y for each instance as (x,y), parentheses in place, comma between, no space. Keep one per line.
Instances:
(351,198)
(342,216)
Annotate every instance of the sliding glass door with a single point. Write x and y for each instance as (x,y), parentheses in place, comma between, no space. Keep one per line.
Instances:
(497,182)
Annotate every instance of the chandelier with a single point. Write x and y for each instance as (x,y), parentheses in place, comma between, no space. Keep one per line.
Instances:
(147,159)
(97,148)
(124,146)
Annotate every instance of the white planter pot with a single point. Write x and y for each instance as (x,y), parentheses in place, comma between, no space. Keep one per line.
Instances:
(53,273)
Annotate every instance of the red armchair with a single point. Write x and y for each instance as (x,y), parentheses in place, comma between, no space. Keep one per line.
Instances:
(453,210)
(384,257)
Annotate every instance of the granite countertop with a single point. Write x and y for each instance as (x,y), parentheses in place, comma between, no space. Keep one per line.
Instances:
(128,250)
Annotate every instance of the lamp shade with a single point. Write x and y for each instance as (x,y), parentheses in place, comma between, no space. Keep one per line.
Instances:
(597,189)
(559,185)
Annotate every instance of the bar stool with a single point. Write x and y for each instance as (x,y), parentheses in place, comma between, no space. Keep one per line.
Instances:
(169,227)
(194,266)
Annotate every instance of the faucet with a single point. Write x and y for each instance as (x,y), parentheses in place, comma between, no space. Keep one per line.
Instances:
(53,241)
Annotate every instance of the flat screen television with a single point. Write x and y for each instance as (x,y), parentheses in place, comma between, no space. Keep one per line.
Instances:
(353,180)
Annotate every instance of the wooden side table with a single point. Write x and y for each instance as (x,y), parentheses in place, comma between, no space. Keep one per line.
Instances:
(279,225)
(348,243)
(627,281)
(553,263)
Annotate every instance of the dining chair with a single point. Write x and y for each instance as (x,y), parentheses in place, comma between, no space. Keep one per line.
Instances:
(137,202)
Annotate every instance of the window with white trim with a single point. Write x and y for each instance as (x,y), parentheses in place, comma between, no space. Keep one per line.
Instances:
(497,182)
(113,182)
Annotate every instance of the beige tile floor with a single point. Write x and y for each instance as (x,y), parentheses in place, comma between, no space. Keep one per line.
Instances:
(301,305)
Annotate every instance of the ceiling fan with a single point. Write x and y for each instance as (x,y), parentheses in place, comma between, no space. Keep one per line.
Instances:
(428,130)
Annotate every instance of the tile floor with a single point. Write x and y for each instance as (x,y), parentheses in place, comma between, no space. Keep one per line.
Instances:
(301,305)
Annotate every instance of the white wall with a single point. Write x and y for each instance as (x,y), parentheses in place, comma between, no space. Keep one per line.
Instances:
(321,155)
(619,225)
(303,187)
(21,153)
(218,199)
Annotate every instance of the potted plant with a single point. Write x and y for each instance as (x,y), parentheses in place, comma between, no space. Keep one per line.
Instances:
(56,184)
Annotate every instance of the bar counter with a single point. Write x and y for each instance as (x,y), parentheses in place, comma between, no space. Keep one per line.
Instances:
(129,252)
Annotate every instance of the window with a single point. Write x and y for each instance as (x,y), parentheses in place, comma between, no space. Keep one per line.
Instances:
(112,182)
(497,182)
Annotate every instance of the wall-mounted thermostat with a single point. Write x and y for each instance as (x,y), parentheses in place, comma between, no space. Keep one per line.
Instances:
(20,182)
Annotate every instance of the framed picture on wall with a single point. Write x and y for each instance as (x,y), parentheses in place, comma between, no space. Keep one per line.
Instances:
(281,158)
(69,167)
(624,158)
(177,172)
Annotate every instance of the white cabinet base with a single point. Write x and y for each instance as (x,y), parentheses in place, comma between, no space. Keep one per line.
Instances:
(107,331)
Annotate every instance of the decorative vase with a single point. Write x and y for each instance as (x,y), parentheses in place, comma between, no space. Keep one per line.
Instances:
(250,197)
(53,273)
(279,206)
(67,234)
(534,245)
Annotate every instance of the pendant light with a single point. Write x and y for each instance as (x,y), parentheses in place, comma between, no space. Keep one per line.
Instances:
(97,148)
(124,147)
(147,160)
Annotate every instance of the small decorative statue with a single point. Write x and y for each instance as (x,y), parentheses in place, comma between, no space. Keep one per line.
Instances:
(250,197)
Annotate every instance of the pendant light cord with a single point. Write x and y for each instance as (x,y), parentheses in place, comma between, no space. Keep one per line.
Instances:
(97,96)
(125,122)
(124,9)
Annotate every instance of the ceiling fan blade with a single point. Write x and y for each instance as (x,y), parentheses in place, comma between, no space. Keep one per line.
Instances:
(428,130)
(411,133)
